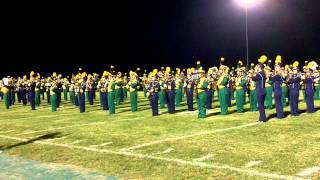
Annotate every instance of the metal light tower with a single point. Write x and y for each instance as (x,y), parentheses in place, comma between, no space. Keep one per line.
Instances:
(247,39)
(246,4)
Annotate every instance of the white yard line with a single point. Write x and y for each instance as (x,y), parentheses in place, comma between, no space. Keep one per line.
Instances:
(2,132)
(171,160)
(203,158)
(252,163)
(66,119)
(187,136)
(309,171)
(99,145)
(78,125)
(169,150)
(27,132)
(75,142)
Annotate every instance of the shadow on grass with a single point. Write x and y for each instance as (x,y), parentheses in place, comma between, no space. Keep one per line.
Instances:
(232,111)
(46,136)
(128,106)
(287,113)
(274,115)
(181,110)
(213,114)
(176,111)
(271,116)
(302,111)
(129,110)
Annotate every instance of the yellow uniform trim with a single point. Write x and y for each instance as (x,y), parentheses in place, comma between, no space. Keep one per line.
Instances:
(4,90)
(200,84)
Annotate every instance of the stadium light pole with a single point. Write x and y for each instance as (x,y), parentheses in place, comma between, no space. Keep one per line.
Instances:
(246,4)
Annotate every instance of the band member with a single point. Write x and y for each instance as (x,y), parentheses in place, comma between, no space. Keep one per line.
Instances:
(154,87)
(269,84)
(12,90)
(82,96)
(132,86)
(222,85)
(178,87)
(42,87)
(240,86)
(202,87)
(170,86)
(76,92)
(22,90)
(37,91)
(94,84)
(162,92)
(260,79)
(309,90)
(90,87)
(103,89)
(277,80)
(252,92)
(124,87)
(285,87)
(5,92)
(111,93)
(209,92)
(47,86)
(230,89)
(59,89)
(65,88)
(118,88)
(144,83)
(214,80)
(71,92)
(316,74)
(190,84)
(31,91)
(53,97)
(294,84)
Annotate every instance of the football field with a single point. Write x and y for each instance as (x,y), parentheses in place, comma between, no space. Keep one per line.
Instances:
(136,145)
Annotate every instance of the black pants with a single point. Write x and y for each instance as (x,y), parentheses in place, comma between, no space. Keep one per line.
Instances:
(171,101)
(82,102)
(261,95)
(32,100)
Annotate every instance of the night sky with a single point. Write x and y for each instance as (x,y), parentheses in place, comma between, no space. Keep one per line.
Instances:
(152,33)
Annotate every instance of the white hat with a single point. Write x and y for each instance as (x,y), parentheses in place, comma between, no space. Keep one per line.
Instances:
(5,81)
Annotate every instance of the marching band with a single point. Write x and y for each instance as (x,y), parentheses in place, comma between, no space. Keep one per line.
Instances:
(260,84)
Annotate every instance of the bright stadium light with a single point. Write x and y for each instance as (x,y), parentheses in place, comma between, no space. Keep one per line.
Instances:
(247,4)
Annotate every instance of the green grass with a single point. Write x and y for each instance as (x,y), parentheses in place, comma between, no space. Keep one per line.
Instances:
(285,147)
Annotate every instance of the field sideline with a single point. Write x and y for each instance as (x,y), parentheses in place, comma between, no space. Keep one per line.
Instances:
(180,146)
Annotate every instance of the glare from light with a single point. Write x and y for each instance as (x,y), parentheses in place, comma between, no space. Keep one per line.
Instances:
(248,3)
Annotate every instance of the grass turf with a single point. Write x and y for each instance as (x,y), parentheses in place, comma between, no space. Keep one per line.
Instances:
(285,147)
